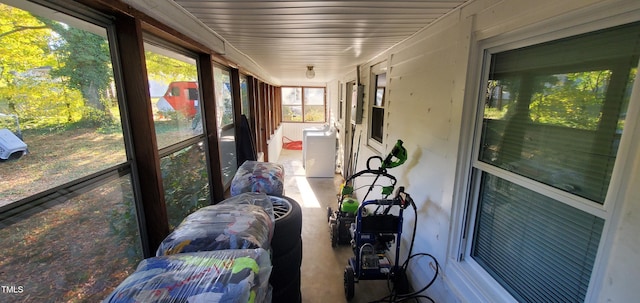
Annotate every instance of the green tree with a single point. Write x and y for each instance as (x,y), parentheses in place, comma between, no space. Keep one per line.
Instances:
(51,73)
(84,61)
(166,69)
(572,100)
(24,45)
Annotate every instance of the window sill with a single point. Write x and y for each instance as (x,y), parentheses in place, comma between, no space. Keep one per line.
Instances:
(472,284)
(375,146)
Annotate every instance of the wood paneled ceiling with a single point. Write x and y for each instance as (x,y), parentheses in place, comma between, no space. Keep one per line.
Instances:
(282,37)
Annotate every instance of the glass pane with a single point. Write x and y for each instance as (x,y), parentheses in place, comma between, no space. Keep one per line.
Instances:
(560,122)
(313,96)
(244,96)
(314,104)
(314,113)
(292,113)
(539,249)
(185,181)
(381,80)
(224,100)
(226,126)
(377,123)
(59,117)
(291,96)
(75,250)
(173,85)
(379,101)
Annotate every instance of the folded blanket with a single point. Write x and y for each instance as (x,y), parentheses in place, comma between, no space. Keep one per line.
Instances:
(221,226)
(229,276)
(254,176)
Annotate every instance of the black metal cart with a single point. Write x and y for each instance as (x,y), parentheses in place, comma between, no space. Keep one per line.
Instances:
(373,235)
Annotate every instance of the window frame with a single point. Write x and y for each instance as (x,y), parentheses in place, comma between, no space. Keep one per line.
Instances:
(229,126)
(66,191)
(69,192)
(152,42)
(376,70)
(472,278)
(226,69)
(302,89)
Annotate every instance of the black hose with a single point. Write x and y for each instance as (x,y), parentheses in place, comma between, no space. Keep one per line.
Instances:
(404,267)
(397,298)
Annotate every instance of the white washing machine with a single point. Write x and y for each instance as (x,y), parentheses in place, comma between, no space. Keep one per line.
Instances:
(306,131)
(320,160)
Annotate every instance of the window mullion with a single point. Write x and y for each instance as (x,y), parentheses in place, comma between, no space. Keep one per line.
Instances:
(583,204)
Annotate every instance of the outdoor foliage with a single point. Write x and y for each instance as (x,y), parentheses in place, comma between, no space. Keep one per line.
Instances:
(313,113)
(52,74)
(185,182)
(123,225)
(166,69)
(66,252)
(288,114)
(84,61)
(186,190)
(573,100)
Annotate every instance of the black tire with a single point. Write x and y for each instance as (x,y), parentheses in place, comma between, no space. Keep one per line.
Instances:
(285,268)
(289,294)
(288,226)
(349,283)
(333,233)
(329,213)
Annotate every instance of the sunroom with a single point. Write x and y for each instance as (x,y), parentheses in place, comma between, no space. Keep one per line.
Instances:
(520,122)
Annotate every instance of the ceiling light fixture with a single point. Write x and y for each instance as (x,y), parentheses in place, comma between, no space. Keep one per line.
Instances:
(310,72)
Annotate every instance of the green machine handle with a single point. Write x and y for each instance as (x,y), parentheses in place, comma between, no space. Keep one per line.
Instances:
(396,157)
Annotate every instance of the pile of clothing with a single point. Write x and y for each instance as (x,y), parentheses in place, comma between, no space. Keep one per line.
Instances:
(219,253)
(230,276)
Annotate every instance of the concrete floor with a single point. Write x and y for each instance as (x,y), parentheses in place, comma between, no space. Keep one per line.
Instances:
(322,266)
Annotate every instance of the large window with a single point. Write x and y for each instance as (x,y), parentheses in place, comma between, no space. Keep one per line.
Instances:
(175,97)
(552,119)
(56,102)
(67,214)
(303,104)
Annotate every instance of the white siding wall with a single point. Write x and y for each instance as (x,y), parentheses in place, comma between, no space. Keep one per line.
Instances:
(433,81)
(293,131)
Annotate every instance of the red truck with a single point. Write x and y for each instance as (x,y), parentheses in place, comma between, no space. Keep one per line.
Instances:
(181,96)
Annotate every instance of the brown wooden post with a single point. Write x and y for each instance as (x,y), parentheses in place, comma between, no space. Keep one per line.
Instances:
(153,214)
(272,108)
(264,126)
(208,103)
(252,91)
(237,106)
(278,109)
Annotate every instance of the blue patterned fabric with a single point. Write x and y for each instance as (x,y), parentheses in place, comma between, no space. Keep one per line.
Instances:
(229,276)
(221,226)
(263,177)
